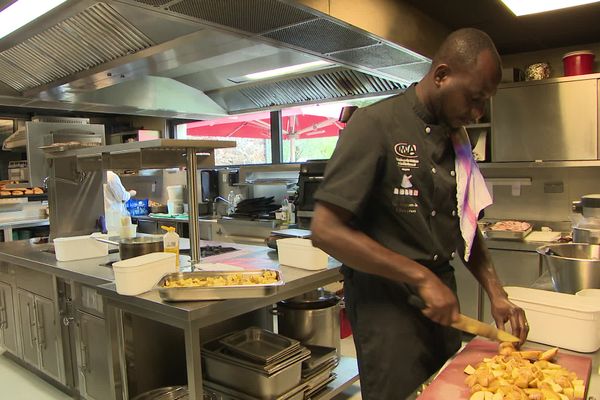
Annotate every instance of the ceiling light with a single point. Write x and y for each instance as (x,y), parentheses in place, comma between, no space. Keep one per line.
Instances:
(286,70)
(525,7)
(22,12)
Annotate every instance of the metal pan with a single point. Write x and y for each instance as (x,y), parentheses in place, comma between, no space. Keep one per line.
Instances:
(129,248)
(216,292)
(259,344)
(509,235)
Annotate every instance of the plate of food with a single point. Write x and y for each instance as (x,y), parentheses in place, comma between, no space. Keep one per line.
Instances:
(508,229)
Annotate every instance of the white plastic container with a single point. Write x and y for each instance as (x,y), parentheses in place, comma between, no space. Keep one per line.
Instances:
(175,192)
(590,293)
(560,319)
(300,253)
(79,248)
(139,274)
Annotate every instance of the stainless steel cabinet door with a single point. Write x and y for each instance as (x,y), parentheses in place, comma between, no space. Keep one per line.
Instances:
(92,358)
(8,327)
(545,121)
(28,327)
(51,360)
(468,289)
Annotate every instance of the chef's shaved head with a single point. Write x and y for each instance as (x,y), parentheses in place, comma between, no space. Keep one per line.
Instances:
(462,48)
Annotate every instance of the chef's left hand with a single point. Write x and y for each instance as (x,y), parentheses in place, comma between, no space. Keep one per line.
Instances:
(504,311)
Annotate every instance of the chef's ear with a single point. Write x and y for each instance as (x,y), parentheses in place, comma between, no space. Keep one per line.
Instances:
(440,74)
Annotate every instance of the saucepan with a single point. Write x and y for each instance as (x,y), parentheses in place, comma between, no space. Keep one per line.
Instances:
(129,248)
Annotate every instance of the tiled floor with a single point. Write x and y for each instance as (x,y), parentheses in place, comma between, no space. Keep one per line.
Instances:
(16,383)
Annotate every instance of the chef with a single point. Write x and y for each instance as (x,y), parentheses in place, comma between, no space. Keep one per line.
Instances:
(115,197)
(388,208)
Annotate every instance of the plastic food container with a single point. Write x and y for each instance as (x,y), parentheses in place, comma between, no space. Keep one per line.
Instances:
(79,248)
(578,63)
(559,319)
(590,293)
(139,274)
(300,253)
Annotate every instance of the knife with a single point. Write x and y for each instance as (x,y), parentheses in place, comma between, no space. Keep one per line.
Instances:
(467,324)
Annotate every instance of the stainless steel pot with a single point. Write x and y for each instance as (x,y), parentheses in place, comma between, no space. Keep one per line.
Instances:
(129,248)
(313,318)
(572,266)
(586,235)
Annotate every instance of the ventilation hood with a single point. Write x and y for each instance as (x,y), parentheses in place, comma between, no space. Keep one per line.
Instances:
(187,58)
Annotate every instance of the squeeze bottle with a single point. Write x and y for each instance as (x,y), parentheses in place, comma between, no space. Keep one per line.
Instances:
(171,242)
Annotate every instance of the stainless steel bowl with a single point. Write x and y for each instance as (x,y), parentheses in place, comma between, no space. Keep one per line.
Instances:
(572,266)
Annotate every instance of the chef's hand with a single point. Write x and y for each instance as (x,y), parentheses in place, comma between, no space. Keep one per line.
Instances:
(441,305)
(504,311)
(132,193)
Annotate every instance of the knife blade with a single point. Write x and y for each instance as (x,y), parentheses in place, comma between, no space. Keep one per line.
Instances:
(467,324)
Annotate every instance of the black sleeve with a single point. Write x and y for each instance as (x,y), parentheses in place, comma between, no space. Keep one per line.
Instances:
(354,167)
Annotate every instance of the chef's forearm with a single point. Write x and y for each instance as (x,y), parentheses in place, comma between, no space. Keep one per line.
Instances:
(332,233)
(480,265)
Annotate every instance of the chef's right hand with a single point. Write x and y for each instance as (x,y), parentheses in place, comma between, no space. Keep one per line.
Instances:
(441,305)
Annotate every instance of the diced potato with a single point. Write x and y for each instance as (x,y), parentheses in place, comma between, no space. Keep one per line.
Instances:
(469,370)
(549,354)
(578,391)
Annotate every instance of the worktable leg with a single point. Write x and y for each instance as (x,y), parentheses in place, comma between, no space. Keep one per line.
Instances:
(116,354)
(193,361)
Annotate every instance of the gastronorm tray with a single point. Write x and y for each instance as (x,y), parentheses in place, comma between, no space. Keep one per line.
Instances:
(216,292)
(260,345)
(514,235)
(227,393)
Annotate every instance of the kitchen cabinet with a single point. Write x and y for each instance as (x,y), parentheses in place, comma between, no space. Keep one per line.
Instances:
(551,120)
(8,326)
(92,360)
(467,289)
(40,334)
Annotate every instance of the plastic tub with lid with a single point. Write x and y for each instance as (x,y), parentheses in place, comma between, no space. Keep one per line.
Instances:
(139,274)
(578,63)
(301,253)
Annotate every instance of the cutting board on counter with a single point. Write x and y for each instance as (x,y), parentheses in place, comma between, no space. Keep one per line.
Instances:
(542,236)
(449,384)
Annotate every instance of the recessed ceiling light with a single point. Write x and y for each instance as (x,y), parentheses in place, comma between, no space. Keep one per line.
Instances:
(526,7)
(22,12)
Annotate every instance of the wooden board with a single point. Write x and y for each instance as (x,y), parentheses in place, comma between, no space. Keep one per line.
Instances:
(449,384)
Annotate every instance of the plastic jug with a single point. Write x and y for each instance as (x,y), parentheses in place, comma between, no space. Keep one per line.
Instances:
(171,242)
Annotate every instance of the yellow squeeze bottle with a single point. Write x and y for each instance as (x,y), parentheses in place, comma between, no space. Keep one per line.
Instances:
(171,242)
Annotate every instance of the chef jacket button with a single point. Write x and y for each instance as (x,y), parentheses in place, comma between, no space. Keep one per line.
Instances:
(454,213)
(435,257)
(453,255)
(452,173)
(433,213)
(433,170)
(427,129)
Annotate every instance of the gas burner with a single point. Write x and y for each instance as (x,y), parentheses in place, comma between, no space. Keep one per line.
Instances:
(207,251)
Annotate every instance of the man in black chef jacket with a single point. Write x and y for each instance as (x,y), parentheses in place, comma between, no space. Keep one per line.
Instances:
(387,209)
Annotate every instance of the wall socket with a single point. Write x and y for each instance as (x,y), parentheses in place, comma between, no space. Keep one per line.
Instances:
(554,187)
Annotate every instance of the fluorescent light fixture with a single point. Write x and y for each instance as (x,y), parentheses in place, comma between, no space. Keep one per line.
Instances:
(525,7)
(286,70)
(22,12)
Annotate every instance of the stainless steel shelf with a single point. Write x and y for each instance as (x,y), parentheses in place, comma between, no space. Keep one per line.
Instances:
(479,126)
(540,164)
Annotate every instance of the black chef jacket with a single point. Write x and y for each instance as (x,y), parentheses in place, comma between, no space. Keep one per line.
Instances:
(393,168)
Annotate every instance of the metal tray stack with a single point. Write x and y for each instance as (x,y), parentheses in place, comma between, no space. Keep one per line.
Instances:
(256,362)
(317,371)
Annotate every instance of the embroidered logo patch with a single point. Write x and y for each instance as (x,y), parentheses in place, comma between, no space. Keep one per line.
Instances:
(406,155)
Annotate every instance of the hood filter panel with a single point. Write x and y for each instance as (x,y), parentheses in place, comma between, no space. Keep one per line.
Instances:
(378,56)
(155,3)
(255,16)
(409,72)
(337,84)
(94,36)
(322,36)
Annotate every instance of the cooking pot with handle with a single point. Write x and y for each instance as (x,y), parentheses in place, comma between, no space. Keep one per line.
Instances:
(134,247)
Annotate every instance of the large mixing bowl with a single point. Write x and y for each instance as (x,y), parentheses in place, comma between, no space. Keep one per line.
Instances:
(572,266)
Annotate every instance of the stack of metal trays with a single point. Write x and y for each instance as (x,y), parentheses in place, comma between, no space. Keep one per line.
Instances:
(317,371)
(226,393)
(256,362)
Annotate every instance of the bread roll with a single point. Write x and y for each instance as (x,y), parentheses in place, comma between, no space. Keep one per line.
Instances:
(17,193)
(28,191)
(37,190)
(5,193)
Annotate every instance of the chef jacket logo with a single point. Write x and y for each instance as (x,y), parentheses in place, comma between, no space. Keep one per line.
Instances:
(406,183)
(406,156)
(406,150)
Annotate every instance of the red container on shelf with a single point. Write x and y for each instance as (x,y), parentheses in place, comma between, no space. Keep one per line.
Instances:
(578,63)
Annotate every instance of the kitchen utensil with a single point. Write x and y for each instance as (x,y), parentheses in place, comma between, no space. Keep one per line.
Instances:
(137,275)
(449,383)
(578,62)
(467,324)
(216,292)
(134,247)
(227,393)
(559,319)
(541,236)
(572,266)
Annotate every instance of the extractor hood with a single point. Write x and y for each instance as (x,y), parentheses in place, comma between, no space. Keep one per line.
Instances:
(184,58)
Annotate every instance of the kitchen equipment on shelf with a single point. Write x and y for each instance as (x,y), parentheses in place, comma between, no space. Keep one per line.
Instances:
(311,318)
(175,201)
(578,62)
(300,253)
(309,179)
(559,319)
(587,229)
(18,170)
(538,71)
(543,236)
(271,241)
(79,248)
(572,266)
(258,207)
(138,246)
(139,274)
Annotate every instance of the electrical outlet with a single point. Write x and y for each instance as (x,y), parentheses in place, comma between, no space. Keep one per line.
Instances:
(554,187)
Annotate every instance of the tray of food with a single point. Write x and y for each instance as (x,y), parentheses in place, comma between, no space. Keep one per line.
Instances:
(212,285)
(515,230)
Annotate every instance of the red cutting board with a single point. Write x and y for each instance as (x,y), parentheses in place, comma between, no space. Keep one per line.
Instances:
(450,383)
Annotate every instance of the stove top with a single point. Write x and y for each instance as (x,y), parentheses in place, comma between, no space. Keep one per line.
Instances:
(207,251)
